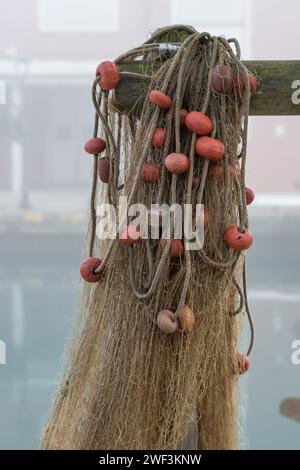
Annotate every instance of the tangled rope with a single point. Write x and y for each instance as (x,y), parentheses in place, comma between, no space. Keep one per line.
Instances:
(128,385)
(215,50)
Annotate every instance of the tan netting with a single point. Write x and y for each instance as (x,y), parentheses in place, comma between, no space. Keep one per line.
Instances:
(127,385)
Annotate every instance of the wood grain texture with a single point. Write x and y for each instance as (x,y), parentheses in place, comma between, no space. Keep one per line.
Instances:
(278,92)
(280,85)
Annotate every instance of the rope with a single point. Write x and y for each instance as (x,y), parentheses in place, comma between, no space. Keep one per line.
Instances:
(187,77)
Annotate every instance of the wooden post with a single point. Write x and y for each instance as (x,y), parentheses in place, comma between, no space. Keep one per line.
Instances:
(278,93)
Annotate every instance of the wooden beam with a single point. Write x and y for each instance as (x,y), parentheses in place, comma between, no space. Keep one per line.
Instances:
(278,94)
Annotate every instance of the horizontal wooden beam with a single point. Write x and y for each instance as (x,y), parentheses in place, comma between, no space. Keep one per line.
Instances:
(278,94)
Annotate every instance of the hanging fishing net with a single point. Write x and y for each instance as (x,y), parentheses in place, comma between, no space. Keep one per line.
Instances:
(155,354)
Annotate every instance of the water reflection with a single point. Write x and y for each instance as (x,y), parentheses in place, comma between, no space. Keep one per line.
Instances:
(37,306)
(39,296)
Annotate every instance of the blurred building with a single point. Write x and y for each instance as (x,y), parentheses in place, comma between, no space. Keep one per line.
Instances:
(48,53)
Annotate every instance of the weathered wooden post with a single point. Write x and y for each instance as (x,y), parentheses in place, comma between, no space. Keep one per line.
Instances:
(278,95)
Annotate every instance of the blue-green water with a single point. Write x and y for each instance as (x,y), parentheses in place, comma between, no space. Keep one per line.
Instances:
(38,300)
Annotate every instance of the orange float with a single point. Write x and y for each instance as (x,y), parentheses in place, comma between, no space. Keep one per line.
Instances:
(199,122)
(243,363)
(177,248)
(208,147)
(249,196)
(159,137)
(109,75)
(88,267)
(186,319)
(166,323)
(150,172)
(177,163)
(222,79)
(130,234)
(103,170)
(160,99)
(95,145)
(237,240)
(239,84)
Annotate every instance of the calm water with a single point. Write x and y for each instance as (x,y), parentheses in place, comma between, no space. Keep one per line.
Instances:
(38,297)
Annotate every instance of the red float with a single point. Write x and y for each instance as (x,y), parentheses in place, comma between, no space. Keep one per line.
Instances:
(238,240)
(222,79)
(243,363)
(159,137)
(95,145)
(87,269)
(166,323)
(186,319)
(253,84)
(208,147)
(150,172)
(199,122)
(103,170)
(109,75)
(160,99)
(177,163)
(239,84)
(177,248)
(130,234)
(250,196)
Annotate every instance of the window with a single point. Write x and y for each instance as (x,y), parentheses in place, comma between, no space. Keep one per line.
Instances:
(77,16)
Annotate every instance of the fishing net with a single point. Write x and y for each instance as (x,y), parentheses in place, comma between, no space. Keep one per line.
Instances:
(127,384)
